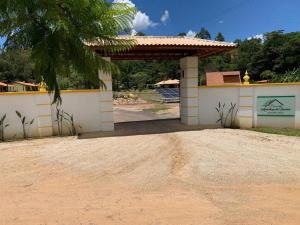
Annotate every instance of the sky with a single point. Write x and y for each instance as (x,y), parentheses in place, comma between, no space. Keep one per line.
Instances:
(233,18)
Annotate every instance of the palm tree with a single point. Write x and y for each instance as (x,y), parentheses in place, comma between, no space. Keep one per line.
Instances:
(57,32)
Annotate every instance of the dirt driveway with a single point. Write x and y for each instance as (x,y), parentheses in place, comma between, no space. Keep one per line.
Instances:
(143,112)
(212,177)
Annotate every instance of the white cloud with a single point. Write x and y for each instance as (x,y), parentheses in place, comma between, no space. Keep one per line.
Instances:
(130,3)
(133,32)
(165,17)
(141,20)
(221,22)
(257,36)
(191,33)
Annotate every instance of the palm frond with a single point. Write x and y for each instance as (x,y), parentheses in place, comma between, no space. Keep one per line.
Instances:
(57,31)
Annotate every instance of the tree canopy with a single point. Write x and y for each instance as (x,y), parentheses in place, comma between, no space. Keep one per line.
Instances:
(56,32)
(16,66)
(275,58)
(182,34)
(140,34)
(220,37)
(278,53)
(203,34)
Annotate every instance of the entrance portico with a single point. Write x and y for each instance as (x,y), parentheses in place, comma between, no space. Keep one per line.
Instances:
(187,50)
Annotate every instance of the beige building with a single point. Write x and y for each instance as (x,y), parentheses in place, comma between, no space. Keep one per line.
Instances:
(24,86)
(6,87)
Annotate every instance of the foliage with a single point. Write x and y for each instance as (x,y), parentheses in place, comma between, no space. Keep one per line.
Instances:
(24,123)
(57,32)
(139,74)
(280,131)
(140,34)
(74,81)
(267,74)
(220,37)
(289,76)
(223,116)
(3,125)
(16,66)
(203,34)
(278,54)
(182,34)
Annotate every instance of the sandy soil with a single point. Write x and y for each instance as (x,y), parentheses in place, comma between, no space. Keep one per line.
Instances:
(212,177)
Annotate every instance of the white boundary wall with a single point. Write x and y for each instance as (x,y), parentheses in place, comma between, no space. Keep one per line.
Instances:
(92,111)
(245,96)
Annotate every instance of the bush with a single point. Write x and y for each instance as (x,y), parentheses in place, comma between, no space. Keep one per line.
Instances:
(289,76)
(268,75)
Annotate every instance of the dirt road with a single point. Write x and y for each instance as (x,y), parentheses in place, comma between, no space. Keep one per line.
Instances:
(213,177)
(125,113)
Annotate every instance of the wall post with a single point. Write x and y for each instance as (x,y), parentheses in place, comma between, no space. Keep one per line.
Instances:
(44,118)
(246,110)
(106,101)
(189,103)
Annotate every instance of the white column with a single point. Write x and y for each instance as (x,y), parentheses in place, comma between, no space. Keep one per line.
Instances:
(246,110)
(106,102)
(44,118)
(189,103)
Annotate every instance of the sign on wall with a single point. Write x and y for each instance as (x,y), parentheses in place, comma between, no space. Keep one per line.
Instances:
(275,106)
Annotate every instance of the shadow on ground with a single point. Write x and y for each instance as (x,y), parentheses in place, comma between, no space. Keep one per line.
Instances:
(145,127)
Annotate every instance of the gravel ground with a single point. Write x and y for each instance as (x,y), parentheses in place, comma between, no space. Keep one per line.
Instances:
(213,177)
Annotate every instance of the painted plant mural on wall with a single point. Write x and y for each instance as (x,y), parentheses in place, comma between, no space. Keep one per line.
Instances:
(64,120)
(227,119)
(3,125)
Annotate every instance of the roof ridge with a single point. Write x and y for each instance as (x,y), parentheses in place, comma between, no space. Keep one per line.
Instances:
(179,37)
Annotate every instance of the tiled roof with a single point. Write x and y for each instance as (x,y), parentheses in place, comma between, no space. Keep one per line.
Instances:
(27,84)
(170,41)
(5,85)
(168,82)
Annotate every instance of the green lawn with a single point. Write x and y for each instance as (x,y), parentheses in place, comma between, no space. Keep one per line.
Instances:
(281,131)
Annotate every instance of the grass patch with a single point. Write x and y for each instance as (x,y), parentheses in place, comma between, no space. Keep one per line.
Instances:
(157,108)
(281,131)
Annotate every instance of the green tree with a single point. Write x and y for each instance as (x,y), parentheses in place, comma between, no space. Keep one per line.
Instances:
(182,34)
(220,37)
(268,75)
(140,34)
(238,42)
(153,72)
(280,52)
(57,32)
(246,56)
(203,34)
(16,66)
